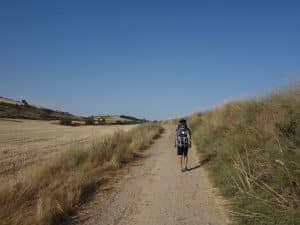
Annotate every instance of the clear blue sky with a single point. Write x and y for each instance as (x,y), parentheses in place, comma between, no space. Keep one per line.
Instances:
(152,59)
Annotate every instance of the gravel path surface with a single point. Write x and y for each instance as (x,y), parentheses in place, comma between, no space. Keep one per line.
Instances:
(156,192)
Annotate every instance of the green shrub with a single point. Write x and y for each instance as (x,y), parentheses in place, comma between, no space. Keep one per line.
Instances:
(25,102)
(101,121)
(65,120)
(90,120)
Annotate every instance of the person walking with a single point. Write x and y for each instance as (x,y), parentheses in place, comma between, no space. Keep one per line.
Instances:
(183,141)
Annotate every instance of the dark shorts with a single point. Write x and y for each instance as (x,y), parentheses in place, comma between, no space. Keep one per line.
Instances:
(182,151)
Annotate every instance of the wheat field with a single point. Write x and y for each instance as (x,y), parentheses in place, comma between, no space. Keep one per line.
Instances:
(25,142)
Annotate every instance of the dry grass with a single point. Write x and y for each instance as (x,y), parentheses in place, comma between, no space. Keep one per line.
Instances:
(19,110)
(50,193)
(26,142)
(10,101)
(256,144)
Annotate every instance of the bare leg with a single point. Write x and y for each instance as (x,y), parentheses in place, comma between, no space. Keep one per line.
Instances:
(180,160)
(186,161)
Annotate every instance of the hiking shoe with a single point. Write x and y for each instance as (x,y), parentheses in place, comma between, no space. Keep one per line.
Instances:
(186,169)
(182,169)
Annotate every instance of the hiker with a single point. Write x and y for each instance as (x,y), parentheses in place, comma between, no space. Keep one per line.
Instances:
(183,141)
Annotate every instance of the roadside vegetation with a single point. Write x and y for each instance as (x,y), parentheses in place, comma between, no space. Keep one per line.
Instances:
(253,149)
(49,193)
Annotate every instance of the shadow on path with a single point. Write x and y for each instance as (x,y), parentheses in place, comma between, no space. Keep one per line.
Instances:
(203,162)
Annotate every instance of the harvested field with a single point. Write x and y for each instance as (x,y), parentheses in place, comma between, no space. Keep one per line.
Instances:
(24,142)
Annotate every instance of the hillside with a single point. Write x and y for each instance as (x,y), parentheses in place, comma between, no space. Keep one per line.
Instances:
(14,109)
(253,149)
(118,119)
(10,108)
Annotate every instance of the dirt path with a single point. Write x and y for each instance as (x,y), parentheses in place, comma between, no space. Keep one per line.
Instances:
(156,192)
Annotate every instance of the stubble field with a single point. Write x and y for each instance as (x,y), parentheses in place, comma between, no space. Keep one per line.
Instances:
(25,142)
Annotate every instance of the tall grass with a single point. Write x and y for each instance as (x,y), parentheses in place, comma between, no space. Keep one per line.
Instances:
(256,144)
(50,193)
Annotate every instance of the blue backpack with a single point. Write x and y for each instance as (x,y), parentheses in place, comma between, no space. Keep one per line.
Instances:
(182,136)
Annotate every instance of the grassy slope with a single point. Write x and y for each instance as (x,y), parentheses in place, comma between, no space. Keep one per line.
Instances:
(51,193)
(10,108)
(255,156)
(19,111)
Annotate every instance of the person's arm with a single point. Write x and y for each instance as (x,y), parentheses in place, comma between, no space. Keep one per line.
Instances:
(190,137)
(175,139)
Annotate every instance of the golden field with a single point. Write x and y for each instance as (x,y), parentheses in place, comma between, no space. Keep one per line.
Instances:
(25,142)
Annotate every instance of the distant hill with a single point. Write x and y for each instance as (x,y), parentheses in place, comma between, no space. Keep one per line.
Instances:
(132,118)
(10,108)
(118,119)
